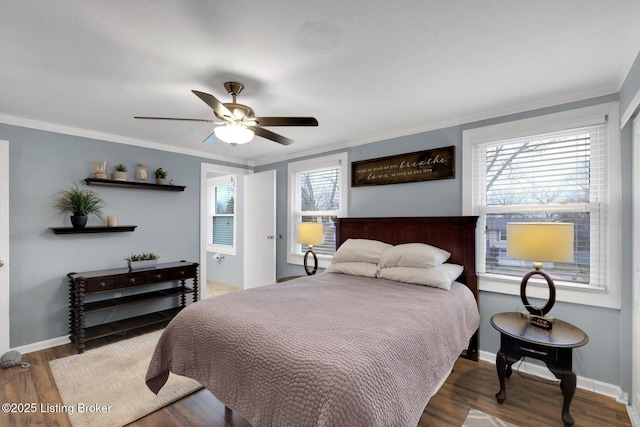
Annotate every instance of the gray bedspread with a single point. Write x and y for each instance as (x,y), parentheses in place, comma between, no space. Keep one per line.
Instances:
(324,350)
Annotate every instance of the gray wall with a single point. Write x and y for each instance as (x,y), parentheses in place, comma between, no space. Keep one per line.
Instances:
(44,163)
(609,330)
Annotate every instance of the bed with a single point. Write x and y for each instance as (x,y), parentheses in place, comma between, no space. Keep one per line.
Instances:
(333,349)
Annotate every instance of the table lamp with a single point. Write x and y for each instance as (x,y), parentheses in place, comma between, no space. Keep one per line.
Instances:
(310,233)
(540,242)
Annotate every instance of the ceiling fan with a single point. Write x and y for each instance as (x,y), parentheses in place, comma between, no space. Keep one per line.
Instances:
(240,122)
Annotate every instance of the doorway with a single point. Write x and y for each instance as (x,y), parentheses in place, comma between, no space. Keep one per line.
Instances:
(255,196)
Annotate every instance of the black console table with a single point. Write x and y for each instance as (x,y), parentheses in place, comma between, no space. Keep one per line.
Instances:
(174,275)
(518,339)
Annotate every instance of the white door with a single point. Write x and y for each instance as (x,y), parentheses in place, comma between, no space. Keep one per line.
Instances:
(4,246)
(635,385)
(260,229)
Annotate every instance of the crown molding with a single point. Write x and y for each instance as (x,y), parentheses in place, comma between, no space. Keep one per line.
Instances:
(119,139)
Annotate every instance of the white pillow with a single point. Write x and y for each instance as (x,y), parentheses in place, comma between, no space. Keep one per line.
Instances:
(413,255)
(440,276)
(360,250)
(365,269)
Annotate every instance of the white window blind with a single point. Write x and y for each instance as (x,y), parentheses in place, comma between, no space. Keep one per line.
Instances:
(319,201)
(552,177)
(317,193)
(222,212)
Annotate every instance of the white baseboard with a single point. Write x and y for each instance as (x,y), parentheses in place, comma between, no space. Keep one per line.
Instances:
(605,389)
(42,345)
(633,416)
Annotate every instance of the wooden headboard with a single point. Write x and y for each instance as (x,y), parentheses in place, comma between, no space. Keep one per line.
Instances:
(456,234)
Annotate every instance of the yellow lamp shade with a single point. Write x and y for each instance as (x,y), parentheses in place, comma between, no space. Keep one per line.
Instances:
(310,233)
(540,241)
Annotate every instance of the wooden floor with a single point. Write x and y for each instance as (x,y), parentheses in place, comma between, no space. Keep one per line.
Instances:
(530,402)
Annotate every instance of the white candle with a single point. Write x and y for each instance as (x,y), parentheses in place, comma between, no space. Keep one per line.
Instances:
(112,221)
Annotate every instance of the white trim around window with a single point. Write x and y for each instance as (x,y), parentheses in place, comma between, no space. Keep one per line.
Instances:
(607,295)
(295,254)
(212,184)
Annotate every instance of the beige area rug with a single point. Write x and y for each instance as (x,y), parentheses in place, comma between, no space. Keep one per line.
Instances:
(480,419)
(105,386)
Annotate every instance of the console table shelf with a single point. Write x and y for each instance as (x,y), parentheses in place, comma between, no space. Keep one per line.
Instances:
(97,229)
(106,304)
(171,276)
(133,184)
(159,318)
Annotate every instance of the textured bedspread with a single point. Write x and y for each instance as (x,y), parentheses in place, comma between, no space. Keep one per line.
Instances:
(325,350)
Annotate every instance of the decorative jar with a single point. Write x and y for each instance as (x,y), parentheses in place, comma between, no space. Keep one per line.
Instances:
(99,169)
(142,173)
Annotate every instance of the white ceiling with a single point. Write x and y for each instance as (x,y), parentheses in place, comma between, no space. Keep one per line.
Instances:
(366,69)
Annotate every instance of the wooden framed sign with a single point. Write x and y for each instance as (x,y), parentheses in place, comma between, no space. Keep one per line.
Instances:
(425,165)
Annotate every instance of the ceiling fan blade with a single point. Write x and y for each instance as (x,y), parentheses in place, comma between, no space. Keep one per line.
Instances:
(271,135)
(286,121)
(210,139)
(217,106)
(173,118)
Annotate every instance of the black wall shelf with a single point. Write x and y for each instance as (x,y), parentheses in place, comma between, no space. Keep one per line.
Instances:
(133,184)
(89,230)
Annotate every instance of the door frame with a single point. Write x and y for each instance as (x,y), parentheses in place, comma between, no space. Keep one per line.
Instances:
(5,319)
(635,328)
(205,169)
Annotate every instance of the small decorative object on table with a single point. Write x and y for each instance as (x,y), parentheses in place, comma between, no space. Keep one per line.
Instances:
(142,173)
(160,175)
(120,172)
(99,169)
(81,203)
(144,260)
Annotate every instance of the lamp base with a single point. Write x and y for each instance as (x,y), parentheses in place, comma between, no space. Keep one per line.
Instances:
(544,322)
(315,263)
(541,312)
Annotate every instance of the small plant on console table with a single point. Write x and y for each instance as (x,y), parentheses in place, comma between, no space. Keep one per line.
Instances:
(161,174)
(144,260)
(81,204)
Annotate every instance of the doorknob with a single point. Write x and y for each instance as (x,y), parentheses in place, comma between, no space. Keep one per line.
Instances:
(1,263)
(278,236)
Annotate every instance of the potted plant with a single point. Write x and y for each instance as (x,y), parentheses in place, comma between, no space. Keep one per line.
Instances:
(81,204)
(120,172)
(160,175)
(144,260)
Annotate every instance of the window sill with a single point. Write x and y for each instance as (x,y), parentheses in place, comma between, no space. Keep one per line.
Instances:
(221,249)
(579,294)
(297,259)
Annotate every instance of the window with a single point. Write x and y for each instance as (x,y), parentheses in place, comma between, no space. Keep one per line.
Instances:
(558,168)
(317,192)
(222,224)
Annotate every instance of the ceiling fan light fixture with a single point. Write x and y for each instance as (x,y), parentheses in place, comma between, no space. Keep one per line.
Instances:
(234,133)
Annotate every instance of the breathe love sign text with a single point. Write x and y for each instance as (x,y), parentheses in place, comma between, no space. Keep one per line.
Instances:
(411,167)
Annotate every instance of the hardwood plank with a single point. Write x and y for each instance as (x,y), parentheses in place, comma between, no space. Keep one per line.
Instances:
(530,402)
